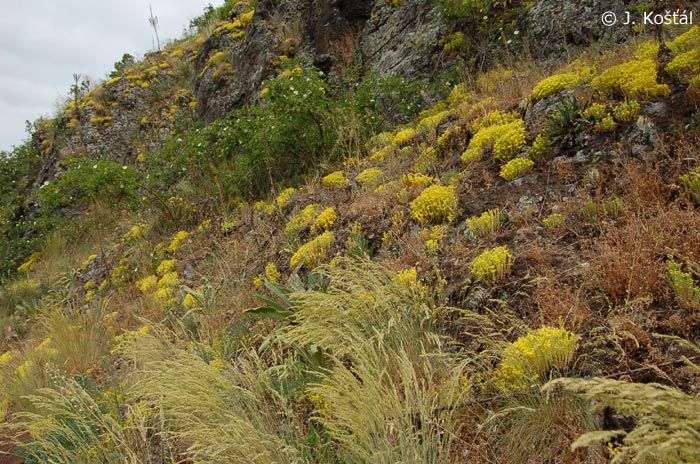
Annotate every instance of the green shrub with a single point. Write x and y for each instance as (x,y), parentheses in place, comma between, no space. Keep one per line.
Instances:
(20,234)
(86,181)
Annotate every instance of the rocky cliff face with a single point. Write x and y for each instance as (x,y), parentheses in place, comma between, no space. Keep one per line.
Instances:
(331,35)
(134,113)
(205,77)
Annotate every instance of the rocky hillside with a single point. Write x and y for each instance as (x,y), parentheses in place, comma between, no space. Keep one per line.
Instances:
(363,232)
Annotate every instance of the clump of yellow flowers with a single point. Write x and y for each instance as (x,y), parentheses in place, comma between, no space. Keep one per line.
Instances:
(531,357)
(335,180)
(325,220)
(559,82)
(515,168)
(493,265)
(435,204)
(313,252)
(502,132)
(485,224)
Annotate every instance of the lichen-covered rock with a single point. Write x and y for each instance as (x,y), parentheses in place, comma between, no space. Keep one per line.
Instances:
(402,41)
(555,27)
(232,64)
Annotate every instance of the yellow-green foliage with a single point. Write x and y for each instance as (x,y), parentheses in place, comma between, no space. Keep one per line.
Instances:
(502,132)
(685,42)
(667,420)
(417,180)
(426,160)
(683,285)
(603,121)
(691,181)
(541,149)
(70,426)
(244,19)
(302,220)
(177,241)
(408,277)
(224,414)
(516,167)
(403,137)
(279,202)
(217,58)
(558,82)
(530,358)
(635,79)
(626,111)
(29,263)
(494,80)
(335,180)
(313,252)
(169,280)
(595,112)
(553,222)
(455,42)
(325,220)
(612,207)
(607,124)
(486,224)
(387,395)
(685,66)
(136,232)
(382,153)
(369,177)
(430,120)
(285,197)
(272,274)
(434,205)
(191,301)
(165,266)
(492,265)
(104,120)
(147,284)
(87,261)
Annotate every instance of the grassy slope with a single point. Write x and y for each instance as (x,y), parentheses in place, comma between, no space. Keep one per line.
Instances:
(394,366)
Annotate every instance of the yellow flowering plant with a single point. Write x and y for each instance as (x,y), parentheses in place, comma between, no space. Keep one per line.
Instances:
(492,265)
(435,204)
(515,168)
(335,180)
(313,252)
(532,357)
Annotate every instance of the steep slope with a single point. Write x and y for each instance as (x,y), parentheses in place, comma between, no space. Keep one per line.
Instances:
(307,281)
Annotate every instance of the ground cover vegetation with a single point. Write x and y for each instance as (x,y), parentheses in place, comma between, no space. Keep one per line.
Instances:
(509,274)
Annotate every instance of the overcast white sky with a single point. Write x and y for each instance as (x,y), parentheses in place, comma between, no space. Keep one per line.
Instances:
(43,42)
